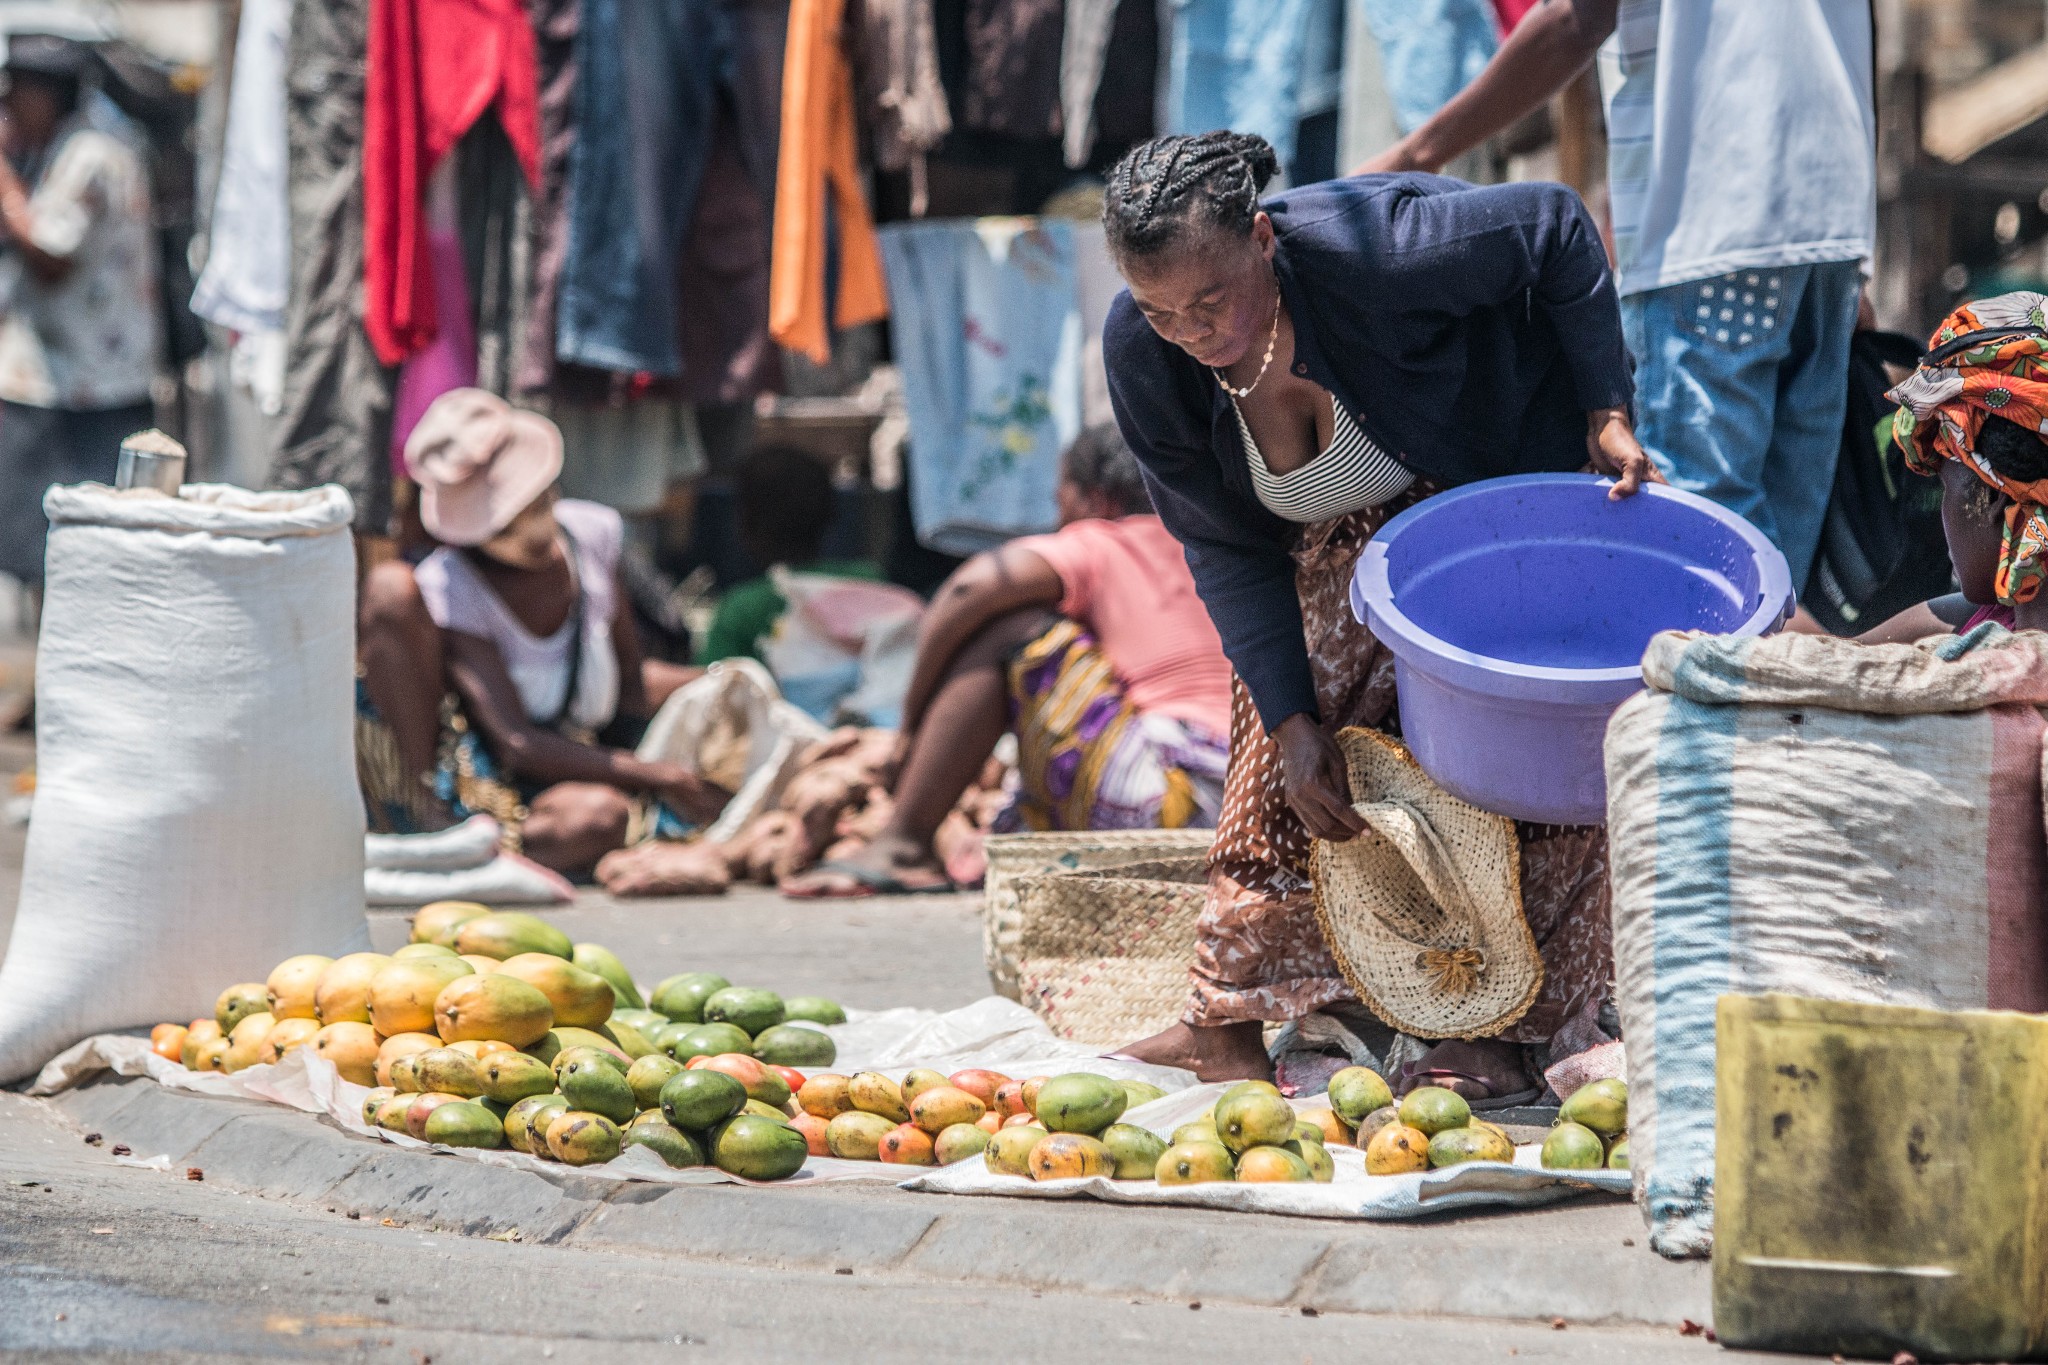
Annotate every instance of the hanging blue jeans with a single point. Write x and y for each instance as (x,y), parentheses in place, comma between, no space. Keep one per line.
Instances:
(987,322)
(648,74)
(1236,64)
(1430,50)
(1741,383)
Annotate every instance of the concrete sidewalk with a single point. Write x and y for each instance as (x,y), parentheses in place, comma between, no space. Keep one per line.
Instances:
(1586,1262)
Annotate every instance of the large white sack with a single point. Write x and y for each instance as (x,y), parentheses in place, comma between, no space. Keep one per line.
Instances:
(1812,816)
(196,813)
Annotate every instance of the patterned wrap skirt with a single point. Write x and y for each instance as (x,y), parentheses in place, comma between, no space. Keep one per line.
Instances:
(1088,759)
(1261,954)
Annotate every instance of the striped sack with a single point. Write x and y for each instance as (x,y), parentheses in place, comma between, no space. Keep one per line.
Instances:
(1808,815)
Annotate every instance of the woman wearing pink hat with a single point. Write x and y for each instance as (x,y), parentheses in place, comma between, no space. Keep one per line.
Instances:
(520,613)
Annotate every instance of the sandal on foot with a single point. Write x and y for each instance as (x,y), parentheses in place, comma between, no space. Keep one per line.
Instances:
(870,882)
(1415,1075)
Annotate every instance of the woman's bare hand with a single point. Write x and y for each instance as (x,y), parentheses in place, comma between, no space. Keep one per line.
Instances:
(690,796)
(1313,776)
(1613,450)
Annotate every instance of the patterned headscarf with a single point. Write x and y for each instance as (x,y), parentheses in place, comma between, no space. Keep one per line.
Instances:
(1944,404)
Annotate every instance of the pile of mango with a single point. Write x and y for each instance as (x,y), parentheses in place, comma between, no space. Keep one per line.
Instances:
(1432,1127)
(1591,1130)
(492,1029)
(928,1119)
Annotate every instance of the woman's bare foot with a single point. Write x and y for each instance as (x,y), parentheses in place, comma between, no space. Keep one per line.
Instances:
(887,866)
(1223,1052)
(1485,1069)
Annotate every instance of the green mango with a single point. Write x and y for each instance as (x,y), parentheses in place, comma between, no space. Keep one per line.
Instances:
(591,1083)
(795,1045)
(815,1009)
(755,1011)
(682,998)
(465,1124)
(671,1144)
(603,962)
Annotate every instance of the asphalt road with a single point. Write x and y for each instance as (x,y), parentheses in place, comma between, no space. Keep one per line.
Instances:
(101,1260)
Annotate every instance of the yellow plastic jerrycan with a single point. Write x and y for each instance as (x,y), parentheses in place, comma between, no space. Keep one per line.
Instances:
(1880,1180)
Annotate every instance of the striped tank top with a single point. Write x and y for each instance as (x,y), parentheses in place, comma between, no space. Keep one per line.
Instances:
(1351,474)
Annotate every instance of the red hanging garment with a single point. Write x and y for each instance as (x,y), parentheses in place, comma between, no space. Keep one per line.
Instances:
(435,66)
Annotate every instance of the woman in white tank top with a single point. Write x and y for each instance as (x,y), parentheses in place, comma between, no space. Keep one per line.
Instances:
(520,614)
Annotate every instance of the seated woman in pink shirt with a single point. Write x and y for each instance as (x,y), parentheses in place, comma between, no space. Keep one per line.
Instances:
(1090,645)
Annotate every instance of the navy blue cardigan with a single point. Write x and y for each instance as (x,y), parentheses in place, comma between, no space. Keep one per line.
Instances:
(1468,329)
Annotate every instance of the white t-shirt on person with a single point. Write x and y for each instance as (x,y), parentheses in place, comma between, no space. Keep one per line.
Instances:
(459,599)
(87,341)
(1741,135)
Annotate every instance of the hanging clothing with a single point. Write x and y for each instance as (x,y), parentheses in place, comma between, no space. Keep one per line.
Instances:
(1084,54)
(627,454)
(435,67)
(496,227)
(820,160)
(903,108)
(555,27)
(722,283)
(989,342)
(1430,50)
(1511,12)
(1013,67)
(649,75)
(336,421)
(448,362)
(247,278)
(1237,64)
(1366,121)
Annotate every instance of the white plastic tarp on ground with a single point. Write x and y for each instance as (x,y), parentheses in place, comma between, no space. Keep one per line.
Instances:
(994,1033)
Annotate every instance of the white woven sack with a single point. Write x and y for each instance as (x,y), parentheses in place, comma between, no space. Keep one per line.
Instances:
(736,703)
(196,813)
(1819,818)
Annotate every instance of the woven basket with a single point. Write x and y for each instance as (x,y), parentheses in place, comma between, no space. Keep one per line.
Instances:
(1103,957)
(1015,855)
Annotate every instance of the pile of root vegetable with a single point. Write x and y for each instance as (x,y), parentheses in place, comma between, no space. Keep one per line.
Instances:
(837,801)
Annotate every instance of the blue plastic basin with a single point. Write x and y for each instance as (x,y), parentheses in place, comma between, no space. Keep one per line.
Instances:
(1518,609)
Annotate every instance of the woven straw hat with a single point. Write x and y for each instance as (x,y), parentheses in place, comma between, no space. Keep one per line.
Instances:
(1423,911)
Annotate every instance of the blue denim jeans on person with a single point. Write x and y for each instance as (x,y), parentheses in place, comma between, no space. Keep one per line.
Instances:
(1741,386)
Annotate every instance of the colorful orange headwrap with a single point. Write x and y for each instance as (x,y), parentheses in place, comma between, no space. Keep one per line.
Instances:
(1944,404)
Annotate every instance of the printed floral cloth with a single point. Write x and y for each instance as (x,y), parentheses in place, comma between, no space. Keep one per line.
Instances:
(1088,759)
(1944,404)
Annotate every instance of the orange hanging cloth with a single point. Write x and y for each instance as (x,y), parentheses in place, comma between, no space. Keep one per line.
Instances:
(820,153)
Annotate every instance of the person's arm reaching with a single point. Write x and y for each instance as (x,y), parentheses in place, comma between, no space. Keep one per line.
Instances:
(1551,45)
(534,751)
(986,587)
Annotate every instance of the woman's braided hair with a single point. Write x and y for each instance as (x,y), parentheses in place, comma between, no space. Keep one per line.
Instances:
(1165,187)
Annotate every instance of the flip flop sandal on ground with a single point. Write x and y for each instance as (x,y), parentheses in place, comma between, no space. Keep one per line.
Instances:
(870,883)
